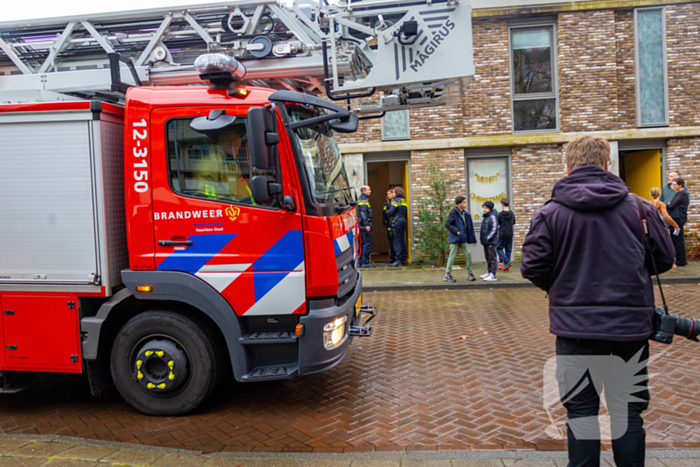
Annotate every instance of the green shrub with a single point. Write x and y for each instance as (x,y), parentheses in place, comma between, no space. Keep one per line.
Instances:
(433,208)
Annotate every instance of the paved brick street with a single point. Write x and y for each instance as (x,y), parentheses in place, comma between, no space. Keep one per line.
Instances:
(459,369)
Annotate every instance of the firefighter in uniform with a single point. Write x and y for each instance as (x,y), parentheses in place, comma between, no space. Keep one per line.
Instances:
(386,222)
(364,210)
(398,212)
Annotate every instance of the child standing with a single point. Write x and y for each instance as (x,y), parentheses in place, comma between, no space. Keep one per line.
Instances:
(459,223)
(506,221)
(489,239)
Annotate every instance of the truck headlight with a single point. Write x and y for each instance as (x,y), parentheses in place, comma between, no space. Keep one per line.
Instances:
(334,332)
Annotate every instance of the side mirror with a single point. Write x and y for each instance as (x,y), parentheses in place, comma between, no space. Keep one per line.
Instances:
(263,189)
(262,138)
(345,125)
(289,204)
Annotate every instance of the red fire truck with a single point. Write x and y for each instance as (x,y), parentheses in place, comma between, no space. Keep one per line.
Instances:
(161,237)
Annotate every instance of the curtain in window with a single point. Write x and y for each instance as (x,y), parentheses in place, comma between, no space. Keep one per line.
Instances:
(651,67)
(395,125)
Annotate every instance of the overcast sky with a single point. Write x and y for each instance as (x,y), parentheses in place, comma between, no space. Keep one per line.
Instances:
(12,10)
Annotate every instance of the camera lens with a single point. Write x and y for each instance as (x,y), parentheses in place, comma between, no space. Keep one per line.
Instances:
(688,328)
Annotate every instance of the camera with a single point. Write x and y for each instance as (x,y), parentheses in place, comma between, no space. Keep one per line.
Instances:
(666,325)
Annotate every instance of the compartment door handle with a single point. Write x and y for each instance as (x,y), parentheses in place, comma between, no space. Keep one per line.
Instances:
(175,242)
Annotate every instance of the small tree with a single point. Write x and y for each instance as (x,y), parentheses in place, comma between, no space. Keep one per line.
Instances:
(433,208)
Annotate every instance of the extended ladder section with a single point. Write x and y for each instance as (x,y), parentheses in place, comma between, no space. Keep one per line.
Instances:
(402,53)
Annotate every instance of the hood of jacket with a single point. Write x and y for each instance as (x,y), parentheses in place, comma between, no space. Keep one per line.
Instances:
(590,188)
(506,215)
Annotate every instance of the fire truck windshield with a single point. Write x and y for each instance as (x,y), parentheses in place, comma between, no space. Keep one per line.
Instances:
(322,159)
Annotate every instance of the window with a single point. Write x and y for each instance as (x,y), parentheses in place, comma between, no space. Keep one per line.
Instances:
(650,66)
(395,125)
(533,78)
(322,158)
(214,167)
(488,180)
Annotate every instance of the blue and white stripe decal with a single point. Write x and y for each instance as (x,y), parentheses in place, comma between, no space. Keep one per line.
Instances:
(341,244)
(194,257)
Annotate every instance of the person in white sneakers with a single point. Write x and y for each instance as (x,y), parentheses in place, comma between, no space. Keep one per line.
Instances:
(489,239)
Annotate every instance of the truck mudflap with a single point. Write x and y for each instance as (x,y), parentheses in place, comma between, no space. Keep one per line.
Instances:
(363,329)
(314,355)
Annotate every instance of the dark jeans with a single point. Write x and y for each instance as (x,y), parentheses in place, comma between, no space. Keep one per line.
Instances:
(366,246)
(504,249)
(400,249)
(392,252)
(491,258)
(679,245)
(625,415)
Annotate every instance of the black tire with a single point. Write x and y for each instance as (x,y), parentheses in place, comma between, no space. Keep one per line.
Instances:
(203,366)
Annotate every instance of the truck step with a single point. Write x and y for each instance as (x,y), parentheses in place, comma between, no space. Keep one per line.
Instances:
(270,373)
(268,337)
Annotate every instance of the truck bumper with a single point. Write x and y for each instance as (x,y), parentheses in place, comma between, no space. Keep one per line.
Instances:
(313,356)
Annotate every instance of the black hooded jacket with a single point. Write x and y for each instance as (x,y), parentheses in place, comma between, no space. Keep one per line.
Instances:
(506,221)
(585,247)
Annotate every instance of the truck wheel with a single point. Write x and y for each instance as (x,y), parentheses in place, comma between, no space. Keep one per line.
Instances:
(163,364)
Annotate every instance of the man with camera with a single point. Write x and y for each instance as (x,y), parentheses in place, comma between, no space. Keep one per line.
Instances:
(586,249)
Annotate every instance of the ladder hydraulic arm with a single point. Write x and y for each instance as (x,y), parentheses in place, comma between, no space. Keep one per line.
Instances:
(403,53)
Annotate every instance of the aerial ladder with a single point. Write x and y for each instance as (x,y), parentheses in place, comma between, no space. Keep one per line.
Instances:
(377,55)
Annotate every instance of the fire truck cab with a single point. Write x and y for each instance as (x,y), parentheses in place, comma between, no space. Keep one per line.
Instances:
(217,236)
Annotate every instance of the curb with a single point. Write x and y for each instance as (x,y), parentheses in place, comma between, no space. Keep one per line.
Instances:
(496,285)
(371,456)
(98,443)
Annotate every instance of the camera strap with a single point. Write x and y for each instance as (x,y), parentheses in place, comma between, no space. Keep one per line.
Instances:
(644,220)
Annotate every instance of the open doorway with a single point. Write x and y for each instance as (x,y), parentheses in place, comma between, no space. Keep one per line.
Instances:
(381,177)
(641,171)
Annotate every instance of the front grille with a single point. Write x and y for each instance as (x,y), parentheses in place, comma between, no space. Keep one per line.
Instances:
(347,275)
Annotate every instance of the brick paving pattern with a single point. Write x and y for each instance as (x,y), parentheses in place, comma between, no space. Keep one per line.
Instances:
(416,384)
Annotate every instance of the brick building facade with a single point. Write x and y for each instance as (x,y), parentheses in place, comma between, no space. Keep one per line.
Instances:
(598,67)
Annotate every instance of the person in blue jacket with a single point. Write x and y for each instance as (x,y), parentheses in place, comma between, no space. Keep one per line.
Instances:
(398,212)
(461,228)
(364,211)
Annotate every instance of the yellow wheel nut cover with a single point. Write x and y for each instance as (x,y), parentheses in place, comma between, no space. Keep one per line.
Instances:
(149,353)
(171,376)
(171,364)
(162,386)
(160,353)
(151,386)
(139,363)
(139,375)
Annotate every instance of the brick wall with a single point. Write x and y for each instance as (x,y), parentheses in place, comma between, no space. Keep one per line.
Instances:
(536,169)
(683,155)
(487,98)
(597,92)
(443,121)
(587,60)
(624,38)
(449,161)
(683,54)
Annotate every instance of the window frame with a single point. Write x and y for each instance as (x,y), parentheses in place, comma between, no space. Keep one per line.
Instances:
(636,70)
(505,153)
(278,176)
(530,24)
(398,138)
